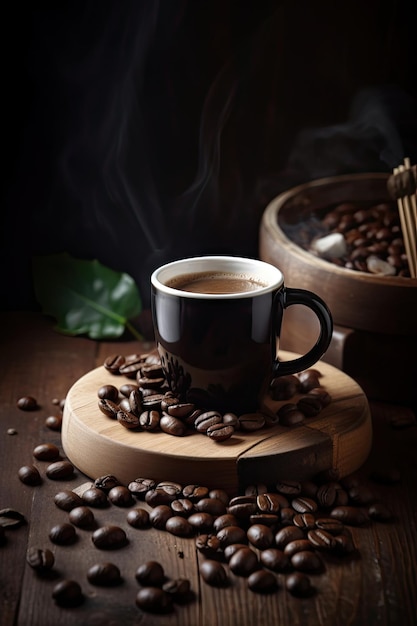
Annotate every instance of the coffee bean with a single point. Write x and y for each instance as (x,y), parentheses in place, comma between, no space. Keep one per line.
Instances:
(288,487)
(350,515)
(154,600)
(29,475)
(304,505)
(60,470)
(104,574)
(132,367)
(124,405)
(179,409)
(380,512)
(219,494)
(284,387)
(268,519)
(150,574)
(321,539)
(95,497)
(230,419)
(82,517)
(286,515)
(159,516)
(274,559)
(113,363)
(298,545)
(67,500)
(108,392)
(172,426)
(304,520)
(214,506)
(326,495)
(298,584)
(27,403)
(344,543)
(260,536)
(220,432)
(140,486)
(256,490)
(244,562)
(207,544)
(231,534)
(195,492)
(229,550)
(54,422)
(106,482)
(361,494)
(290,415)
(202,522)
(182,506)
(330,525)
(286,535)
(156,497)
(135,402)
(109,538)
(322,395)
(127,388)
(170,488)
(310,405)
(149,420)
(213,573)
(127,419)
(63,534)
(251,421)
(306,561)
(68,593)
(178,588)
(179,526)
(309,379)
(40,560)
(138,518)
(207,419)
(120,496)
(46,452)
(10,518)
(262,581)
(269,502)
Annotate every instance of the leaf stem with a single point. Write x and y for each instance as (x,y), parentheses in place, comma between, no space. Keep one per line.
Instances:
(133,331)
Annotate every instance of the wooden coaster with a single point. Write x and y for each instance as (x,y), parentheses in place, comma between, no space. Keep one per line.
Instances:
(340,438)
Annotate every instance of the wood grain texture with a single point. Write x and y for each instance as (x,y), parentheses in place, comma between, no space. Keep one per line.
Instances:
(340,437)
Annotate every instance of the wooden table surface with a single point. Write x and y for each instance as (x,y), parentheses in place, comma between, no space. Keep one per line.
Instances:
(377,585)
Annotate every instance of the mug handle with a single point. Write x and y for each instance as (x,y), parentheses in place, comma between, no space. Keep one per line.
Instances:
(284,298)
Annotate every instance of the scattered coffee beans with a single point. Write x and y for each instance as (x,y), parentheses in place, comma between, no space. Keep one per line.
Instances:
(27,403)
(29,475)
(46,452)
(104,574)
(68,593)
(109,538)
(40,560)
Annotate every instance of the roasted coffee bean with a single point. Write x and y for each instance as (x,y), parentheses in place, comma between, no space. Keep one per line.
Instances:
(127,389)
(306,561)
(159,516)
(135,402)
(179,526)
(260,536)
(109,538)
(195,492)
(54,422)
(244,562)
(108,392)
(140,486)
(304,505)
(321,539)
(231,419)
(274,559)
(231,534)
(157,496)
(171,488)
(180,410)
(222,521)
(207,544)
(202,522)
(113,363)
(330,525)
(104,574)
(138,518)
(178,588)
(262,581)
(220,432)
(213,573)
(269,502)
(290,415)
(106,482)
(152,402)
(27,403)
(150,574)
(288,487)
(154,600)
(131,368)
(304,520)
(298,584)
(60,470)
(219,494)
(182,506)
(152,370)
(309,379)
(256,490)
(309,489)
(322,395)
(284,387)
(286,516)
(127,419)
(287,534)
(67,500)
(120,496)
(380,512)
(172,425)
(46,452)
(361,494)
(310,405)
(124,405)
(29,475)
(95,497)
(267,519)
(350,515)
(229,550)
(344,543)
(68,593)
(251,421)
(145,382)
(40,560)
(206,419)
(149,420)
(326,495)
(298,545)
(82,517)
(63,534)
(214,506)
(10,518)
(190,419)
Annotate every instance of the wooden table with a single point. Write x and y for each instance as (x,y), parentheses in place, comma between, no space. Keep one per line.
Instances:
(376,586)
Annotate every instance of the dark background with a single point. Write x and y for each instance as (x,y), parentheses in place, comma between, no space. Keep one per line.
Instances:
(139,131)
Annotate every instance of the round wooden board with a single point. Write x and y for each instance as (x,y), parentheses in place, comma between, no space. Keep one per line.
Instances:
(339,438)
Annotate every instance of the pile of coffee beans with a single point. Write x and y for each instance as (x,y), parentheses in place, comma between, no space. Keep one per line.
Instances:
(147,404)
(370,237)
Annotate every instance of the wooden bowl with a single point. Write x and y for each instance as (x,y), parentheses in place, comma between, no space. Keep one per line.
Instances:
(375,336)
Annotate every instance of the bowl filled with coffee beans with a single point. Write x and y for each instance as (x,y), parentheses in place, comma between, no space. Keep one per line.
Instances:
(341,237)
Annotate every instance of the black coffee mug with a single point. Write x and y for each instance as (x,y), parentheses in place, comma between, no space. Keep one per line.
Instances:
(219,345)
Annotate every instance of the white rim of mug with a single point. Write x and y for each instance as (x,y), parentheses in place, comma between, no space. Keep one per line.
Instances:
(255,267)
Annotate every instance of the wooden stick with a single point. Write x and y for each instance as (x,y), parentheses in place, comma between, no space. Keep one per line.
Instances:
(408,225)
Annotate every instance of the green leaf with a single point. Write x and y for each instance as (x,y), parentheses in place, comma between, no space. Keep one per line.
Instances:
(85,297)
